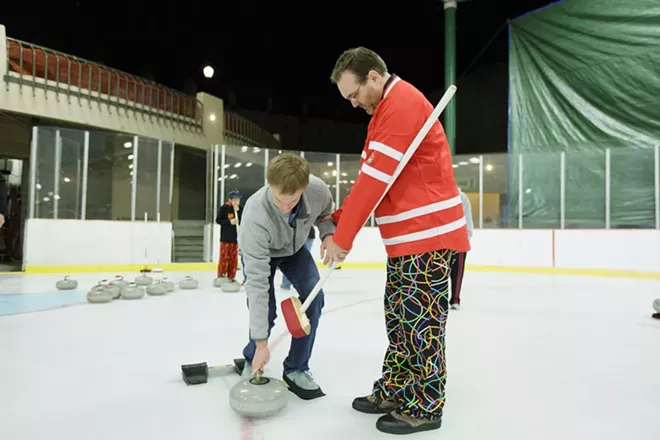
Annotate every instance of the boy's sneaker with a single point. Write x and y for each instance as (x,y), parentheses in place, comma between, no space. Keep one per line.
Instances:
(302,384)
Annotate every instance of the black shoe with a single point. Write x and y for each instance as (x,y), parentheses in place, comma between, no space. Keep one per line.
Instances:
(373,405)
(401,424)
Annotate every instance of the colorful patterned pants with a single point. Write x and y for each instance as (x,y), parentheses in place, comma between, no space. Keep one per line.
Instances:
(416,308)
(228,260)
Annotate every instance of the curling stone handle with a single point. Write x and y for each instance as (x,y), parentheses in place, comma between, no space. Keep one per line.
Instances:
(315,291)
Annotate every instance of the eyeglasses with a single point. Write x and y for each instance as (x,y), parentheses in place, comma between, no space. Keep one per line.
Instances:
(353,96)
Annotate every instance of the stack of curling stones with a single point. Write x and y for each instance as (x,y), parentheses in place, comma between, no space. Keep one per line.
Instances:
(227,285)
(108,290)
(656,307)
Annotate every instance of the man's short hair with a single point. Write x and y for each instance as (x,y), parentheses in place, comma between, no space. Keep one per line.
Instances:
(360,61)
(288,172)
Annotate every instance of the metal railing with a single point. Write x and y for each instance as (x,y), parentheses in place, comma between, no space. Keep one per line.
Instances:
(238,130)
(39,67)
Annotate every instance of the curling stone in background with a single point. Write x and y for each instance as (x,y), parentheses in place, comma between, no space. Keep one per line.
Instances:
(656,307)
(188,283)
(169,285)
(132,291)
(231,286)
(100,294)
(258,397)
(119,281)
(66,284)
(157,288)
(116,290)
(143,280)
(218,282)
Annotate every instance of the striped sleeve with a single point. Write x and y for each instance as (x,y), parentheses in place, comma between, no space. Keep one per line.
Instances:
(393,133)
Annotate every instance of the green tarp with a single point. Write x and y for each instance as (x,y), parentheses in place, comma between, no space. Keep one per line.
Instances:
(584,77)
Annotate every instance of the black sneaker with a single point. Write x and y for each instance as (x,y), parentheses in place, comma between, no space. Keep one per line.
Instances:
(373,405)
(401,424)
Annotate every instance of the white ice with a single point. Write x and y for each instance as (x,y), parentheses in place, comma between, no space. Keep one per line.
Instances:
(529,357)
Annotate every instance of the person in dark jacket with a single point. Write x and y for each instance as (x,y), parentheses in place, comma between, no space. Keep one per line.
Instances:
(3,200)
(229,216)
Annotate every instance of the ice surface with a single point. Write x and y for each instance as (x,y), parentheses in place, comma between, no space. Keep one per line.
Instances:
(529,357)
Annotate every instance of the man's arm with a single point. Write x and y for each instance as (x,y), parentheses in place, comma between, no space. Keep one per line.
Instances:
(323,222)
(254,242)
(391,138)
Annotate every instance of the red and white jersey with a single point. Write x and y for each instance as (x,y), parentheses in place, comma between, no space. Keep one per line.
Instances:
(422,211)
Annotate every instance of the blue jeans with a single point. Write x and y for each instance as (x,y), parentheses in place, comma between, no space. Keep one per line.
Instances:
(301,269)
(286,284)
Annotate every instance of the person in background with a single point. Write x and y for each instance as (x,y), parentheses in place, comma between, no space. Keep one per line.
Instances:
(286,284)
(3,200)
(458,260)
(228,218)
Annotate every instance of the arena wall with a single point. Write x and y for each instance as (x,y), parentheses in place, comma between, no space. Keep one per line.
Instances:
(69,246)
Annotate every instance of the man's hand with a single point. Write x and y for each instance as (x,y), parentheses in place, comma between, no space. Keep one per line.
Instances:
(2,220)
(233,221)
(261,356)
(331,252)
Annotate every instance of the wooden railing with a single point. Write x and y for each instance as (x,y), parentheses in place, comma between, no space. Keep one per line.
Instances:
(38,67)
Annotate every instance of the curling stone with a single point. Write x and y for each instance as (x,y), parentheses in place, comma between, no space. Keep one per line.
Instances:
(116,290)
(66,284)
(157,288)
(294,312)
(220,281)
(119,281)
(99,294)
(132,291)
(143,280)
(169,285)
(231,286)
(656,305)
(188,283)
(258,397)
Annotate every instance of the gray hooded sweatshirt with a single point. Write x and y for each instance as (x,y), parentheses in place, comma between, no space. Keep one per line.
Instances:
(265,232)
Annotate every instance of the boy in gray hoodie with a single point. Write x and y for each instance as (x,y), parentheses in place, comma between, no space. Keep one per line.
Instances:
(275,225)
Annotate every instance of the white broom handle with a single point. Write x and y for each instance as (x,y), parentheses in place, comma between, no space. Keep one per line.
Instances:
(433,118)
(315,291)
(435,114)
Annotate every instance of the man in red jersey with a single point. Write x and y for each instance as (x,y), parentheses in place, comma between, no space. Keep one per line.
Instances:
(422,225)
